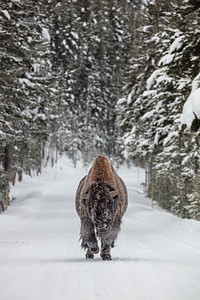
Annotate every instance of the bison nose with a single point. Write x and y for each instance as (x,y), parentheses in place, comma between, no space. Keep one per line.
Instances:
(102,225)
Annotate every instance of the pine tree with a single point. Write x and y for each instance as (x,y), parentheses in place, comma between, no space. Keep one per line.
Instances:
(63,64)
(24,89)
(154,133)
(88,63)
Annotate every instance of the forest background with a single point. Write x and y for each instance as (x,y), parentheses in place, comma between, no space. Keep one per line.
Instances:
(84,77)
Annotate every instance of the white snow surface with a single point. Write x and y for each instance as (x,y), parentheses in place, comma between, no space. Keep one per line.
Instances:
(191,107)
(157,255)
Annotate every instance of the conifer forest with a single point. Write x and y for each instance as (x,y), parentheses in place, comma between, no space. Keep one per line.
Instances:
(83,77)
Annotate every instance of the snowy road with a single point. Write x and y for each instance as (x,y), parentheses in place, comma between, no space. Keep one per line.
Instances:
(157,256)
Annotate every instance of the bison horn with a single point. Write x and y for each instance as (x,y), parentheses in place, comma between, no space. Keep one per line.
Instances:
(85,194)
(114,193)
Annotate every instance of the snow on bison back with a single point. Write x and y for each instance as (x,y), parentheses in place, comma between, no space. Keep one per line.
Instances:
(101,201)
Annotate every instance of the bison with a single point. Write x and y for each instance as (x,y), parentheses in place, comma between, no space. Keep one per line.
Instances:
(101,201)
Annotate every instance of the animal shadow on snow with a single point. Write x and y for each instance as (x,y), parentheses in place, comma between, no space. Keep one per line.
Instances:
(99,260)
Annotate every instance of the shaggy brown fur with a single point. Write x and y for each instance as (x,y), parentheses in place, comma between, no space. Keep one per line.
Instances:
(101,201)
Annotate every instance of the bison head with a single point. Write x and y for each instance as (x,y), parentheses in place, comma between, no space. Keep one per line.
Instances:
(100,202)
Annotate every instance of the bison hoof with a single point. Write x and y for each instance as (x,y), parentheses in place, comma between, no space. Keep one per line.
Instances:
(89,255)
(106,256)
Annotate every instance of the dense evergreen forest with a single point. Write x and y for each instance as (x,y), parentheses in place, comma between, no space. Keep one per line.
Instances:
(84,77)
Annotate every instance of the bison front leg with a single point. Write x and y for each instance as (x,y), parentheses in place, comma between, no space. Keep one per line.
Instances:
(105,252)
(108,240)
(106,244)
(88,237)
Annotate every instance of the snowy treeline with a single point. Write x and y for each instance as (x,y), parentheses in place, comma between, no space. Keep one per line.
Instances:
(164,72)
(25,95)
(64,66)
(62,69)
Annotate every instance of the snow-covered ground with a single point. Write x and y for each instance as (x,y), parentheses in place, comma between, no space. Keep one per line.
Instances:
(157,256)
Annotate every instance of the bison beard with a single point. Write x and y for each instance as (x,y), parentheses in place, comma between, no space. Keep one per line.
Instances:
(101,201)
